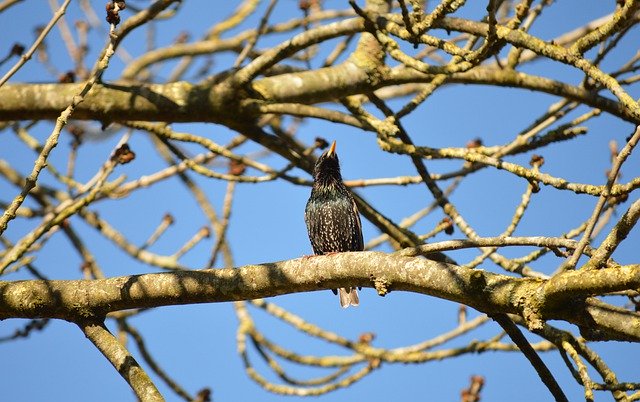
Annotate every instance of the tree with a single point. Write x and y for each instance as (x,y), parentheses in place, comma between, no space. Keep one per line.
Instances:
(494,144)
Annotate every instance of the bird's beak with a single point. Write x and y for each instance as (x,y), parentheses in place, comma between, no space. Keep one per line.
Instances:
(332,149)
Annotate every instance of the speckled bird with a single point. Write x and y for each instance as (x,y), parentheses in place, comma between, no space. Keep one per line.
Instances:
(332,216)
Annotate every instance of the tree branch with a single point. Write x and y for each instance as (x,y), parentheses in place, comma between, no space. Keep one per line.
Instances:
(533,299)
(122,360)
(518,338)
(186,102)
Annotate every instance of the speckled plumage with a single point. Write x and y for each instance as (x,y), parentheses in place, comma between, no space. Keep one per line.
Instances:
(331,215)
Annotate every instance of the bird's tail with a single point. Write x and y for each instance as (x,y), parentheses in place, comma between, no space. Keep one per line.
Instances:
(348,297)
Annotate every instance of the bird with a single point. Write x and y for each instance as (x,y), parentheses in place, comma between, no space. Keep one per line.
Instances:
(332,217)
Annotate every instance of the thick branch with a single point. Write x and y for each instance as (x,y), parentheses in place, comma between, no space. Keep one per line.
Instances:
(484,291)
(186,102)
(107,102)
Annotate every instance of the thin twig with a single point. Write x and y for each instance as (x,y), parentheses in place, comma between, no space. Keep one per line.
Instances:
(606,191)
(518,338)
(259,32)
(148,358)
(27,55)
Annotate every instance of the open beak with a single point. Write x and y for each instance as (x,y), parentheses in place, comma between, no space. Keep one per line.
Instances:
(332,149)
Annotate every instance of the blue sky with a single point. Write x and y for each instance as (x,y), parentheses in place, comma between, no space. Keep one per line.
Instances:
(196,344)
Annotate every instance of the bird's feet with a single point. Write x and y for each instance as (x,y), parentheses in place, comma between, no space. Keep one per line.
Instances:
(304,257)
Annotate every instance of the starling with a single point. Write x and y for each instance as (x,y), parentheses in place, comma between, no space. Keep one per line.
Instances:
(332,218)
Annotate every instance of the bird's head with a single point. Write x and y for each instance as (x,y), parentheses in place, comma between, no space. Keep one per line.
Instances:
(327,167)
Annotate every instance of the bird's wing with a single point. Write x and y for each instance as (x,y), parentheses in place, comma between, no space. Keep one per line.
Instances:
(358,226)
(311,226)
